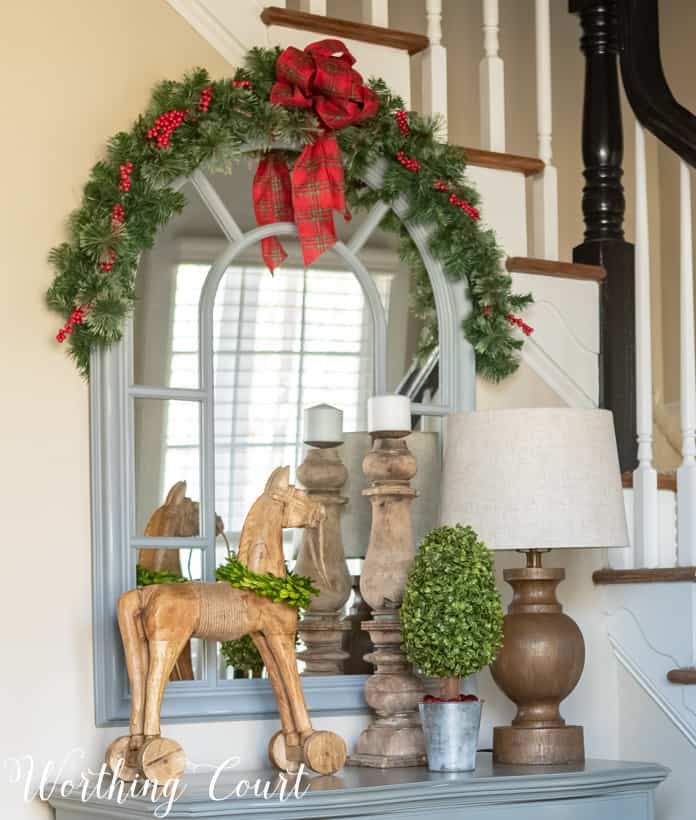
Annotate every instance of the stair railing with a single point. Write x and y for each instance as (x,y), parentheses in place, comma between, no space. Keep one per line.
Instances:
(657,111)
(630,29)
(493,128)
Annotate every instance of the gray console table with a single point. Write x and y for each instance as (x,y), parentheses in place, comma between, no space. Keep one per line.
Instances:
(599,790)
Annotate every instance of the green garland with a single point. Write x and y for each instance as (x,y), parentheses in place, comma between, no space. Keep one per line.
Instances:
(127,199)
(243,655)
(294,590)
(147,577)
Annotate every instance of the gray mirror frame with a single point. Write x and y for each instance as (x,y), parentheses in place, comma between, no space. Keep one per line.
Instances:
(111,441)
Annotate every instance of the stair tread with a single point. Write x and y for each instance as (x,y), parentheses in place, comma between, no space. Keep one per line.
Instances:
(665,481)
(685,676)
(551,267)
(335,27)
(659,575)
(529,166)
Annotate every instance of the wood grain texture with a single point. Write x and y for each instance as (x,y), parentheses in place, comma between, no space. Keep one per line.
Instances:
(157,622)
(664,575)
(686,676)
(529,166)
(538,666)
(551,267)
(335,27)
(665,481)
(395,738)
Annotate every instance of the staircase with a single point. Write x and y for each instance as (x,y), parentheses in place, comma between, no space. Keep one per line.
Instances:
(581,353)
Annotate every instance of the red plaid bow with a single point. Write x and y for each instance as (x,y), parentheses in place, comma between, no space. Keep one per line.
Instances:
(321,78)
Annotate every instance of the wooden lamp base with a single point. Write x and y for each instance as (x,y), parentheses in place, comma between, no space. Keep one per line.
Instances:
(557,745)
(539,666)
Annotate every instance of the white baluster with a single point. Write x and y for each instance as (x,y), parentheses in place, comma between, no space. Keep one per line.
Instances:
(492,81)
(313,6)
(545,185)
(646,546)
(686,474)
(433,65)
(376,12)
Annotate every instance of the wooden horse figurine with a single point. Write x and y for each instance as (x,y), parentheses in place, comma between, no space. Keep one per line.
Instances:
(157,621)
(177,517)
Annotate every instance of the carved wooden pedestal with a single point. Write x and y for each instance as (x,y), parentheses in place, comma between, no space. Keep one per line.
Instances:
(323,626)
(393,691)
(548,645)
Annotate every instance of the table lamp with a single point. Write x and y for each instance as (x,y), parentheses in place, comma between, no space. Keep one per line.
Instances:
(532,480)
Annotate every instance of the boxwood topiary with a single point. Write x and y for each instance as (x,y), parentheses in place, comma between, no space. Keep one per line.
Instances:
(451,614)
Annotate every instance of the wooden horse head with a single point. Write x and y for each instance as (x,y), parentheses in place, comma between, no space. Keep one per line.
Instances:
(179,516)
(282,505)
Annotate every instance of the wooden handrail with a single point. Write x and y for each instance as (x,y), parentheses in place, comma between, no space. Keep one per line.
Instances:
(644,79)
(551,267)
(663,575)
(685,676)
(335,27)
(529,166)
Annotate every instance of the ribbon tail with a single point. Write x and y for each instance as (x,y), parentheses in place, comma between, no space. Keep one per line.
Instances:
(272,195)
(318,189)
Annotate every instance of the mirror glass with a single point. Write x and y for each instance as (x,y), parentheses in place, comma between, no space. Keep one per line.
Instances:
(280,343)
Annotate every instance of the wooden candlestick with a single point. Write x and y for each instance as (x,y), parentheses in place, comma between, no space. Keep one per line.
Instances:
(395,738)
(322,628)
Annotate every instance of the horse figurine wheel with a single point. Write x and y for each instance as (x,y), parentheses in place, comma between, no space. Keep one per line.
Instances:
(156,622)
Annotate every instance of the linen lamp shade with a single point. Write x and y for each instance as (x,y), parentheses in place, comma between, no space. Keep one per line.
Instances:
(538,478)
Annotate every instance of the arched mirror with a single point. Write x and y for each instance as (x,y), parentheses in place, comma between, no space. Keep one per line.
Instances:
(205,397)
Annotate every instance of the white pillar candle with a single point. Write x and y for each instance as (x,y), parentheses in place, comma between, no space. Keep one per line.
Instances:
(323,425)
(388,413)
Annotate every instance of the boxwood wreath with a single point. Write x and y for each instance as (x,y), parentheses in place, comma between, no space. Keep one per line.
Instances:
(293,590)
(197,121)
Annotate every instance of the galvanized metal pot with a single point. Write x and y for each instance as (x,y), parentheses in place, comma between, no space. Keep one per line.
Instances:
(451,734)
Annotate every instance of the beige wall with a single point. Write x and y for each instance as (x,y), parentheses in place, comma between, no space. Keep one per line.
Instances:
(74,73)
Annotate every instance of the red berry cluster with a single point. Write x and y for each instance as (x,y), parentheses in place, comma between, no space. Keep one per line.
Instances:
(487,310)
(458,699)
(467,207)
(408,162)
(520,323)
(108,262)
(117,214)
(125,171)
(205,98)
(165,125)
(402,122)
(241,83)
(76,318)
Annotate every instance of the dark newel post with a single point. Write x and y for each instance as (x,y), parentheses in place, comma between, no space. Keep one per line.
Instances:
(603,207)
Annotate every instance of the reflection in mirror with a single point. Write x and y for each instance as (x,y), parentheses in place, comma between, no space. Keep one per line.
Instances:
(168,286)
(167,451)
(280,343)
(173,566)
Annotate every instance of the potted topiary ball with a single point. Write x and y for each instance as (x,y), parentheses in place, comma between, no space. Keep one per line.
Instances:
(452,622)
